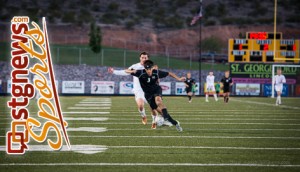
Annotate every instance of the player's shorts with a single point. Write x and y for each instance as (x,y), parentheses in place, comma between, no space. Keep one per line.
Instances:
(139,94)
(151,97)
(217,91)
(188,89)
(278,88)
(210,88)
(226,89)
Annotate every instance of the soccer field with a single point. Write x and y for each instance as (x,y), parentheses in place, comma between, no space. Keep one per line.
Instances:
(106,134)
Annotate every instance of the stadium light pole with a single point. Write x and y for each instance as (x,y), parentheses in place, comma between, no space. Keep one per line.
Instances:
(200,48)
(274,49)
(275,23)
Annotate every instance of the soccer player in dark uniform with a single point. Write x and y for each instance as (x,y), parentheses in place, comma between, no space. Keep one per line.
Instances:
(189,86)
(227,83)
(153,93)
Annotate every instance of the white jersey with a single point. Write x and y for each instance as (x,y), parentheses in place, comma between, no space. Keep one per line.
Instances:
(279,80)
(136,83)
(210,80)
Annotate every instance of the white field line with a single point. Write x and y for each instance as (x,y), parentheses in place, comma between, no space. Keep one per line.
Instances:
(85,149)
(91,108)
(76,112)
(200,123)
(85,129)
(94,129)
(78,147)
(94,102)
(203,137)
(194,119)
(217,113)
(211,129)
(137,116)
(155,164)
(266,104)
(188,123)
(213,119)
(202,147)
(85,119)
(88,105)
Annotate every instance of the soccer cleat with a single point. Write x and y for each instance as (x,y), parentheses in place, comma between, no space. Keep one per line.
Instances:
(178,127)
(217,100)
(144,120)
(206,101)
(153,126)
(190,101)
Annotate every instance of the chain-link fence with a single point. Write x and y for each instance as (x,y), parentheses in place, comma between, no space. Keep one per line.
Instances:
(117,57)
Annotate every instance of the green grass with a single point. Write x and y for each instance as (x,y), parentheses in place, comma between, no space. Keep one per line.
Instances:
(243,123)
(69,54)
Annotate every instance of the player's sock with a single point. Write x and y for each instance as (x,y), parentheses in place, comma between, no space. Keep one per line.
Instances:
(190,97)
(227,99)
(153,118)
(279,99)
(216,98)
(143,114)
(168,117)
(206,96)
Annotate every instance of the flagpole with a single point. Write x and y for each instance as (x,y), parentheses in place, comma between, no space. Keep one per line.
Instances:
(200,50)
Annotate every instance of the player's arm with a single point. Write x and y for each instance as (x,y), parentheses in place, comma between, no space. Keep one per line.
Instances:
(173,75)
(231,82)
(283,79)
(117,72)
(132,72)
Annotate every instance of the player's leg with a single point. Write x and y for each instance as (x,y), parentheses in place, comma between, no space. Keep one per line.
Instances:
(277,91)
(166,115)
(213,89)
(190,96)
(227,99)
(154,114)
(207,93)
(140,101)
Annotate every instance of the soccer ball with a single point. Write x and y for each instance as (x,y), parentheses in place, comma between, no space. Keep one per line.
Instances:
(159,120)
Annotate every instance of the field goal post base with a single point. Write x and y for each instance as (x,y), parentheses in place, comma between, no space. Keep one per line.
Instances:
(273,74)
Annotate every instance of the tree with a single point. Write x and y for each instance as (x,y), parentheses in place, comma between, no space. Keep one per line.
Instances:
(95,38)
(212,44)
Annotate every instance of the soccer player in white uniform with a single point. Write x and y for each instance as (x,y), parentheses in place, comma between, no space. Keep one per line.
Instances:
(279,80)
(210,86)
(137,90)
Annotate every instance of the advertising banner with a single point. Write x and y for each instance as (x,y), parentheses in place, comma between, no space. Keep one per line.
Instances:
(166,88)
(102,87)
(259,73)
(126,87)
(180,88)
(210,93)
(247,89)
(298,90)
(76,87)
(8,86)
(268,90)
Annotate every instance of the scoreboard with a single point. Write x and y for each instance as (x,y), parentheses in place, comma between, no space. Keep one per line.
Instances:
(259,47)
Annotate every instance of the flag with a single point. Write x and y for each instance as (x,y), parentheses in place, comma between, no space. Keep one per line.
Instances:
(198,16)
